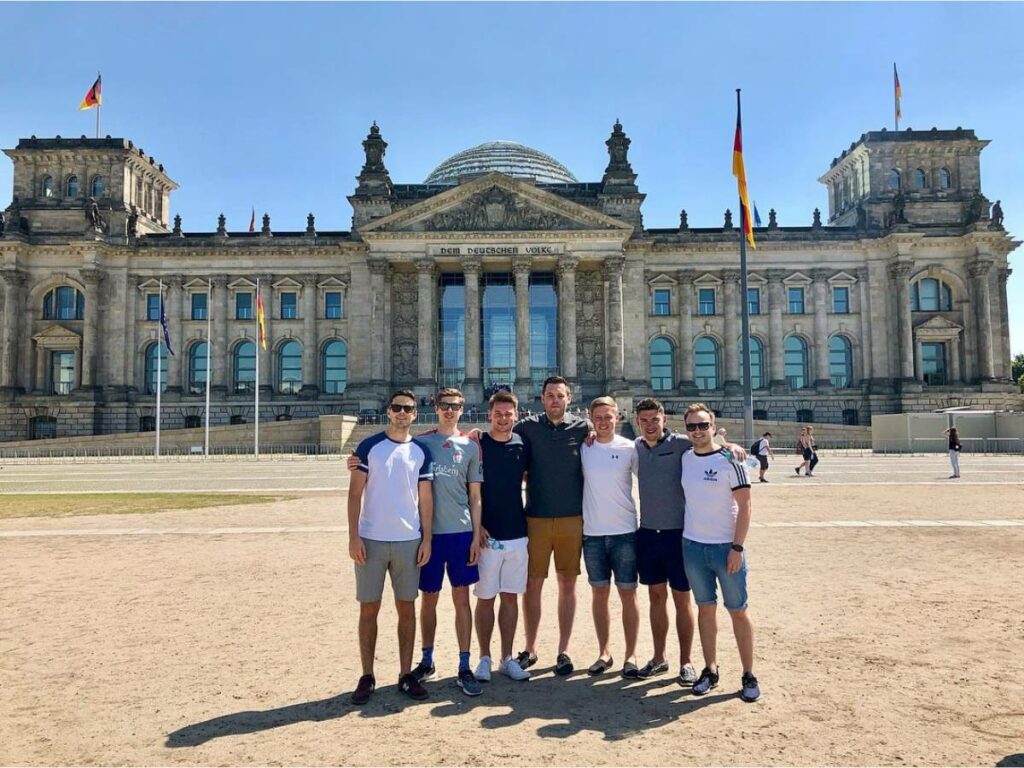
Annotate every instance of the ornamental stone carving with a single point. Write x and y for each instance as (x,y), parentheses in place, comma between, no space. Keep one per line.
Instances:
(496,209)
(404,327)
(590,326)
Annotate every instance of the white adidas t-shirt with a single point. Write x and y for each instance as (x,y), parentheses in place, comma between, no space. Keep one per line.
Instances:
(708,482)
(608,469)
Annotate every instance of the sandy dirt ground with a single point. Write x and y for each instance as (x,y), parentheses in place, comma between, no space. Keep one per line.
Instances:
(886,602)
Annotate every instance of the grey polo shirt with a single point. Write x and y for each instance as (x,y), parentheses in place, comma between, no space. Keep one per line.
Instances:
(554,481)
(659,474)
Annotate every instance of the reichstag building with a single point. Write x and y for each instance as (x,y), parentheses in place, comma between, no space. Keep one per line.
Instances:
(499,269)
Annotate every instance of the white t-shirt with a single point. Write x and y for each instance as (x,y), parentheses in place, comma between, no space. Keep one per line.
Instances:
(608,469)
(391,509)
(708,482)
(762,446)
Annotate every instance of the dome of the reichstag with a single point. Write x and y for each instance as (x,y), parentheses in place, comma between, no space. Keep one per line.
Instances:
(504,157)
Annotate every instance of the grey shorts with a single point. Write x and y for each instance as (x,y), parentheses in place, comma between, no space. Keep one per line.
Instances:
(395,557)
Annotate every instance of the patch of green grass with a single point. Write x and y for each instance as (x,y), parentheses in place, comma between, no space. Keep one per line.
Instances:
(71,505)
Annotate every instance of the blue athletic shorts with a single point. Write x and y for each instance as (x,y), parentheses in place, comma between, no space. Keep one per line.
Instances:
(451,551)
(659,558)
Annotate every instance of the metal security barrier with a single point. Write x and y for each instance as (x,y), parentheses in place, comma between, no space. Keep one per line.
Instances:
(234,452)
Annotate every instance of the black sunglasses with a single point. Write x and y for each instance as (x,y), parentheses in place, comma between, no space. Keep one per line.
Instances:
(703,426)
(450,406)
(396,408)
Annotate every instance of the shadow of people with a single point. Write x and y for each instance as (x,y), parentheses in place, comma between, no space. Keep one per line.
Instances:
(1015,760)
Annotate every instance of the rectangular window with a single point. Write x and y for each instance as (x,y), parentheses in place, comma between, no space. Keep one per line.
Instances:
(933,363)
(662,301)
(152,306)
(198,306)
(754,301)
(796,301)
(62,372)
(841,300)
(289,306)
(243,306)
(706,301)
(332,305)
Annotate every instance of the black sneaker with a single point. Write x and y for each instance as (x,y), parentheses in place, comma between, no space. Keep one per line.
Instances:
(423,673)
(705,682)
(652,668)
(525,660)
(563,665)
(411,687)
(750,690)
(362,693)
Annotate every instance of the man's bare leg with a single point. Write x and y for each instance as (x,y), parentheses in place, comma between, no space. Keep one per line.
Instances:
(659,619)
(685,621)
(532,611)
(566,609)
(463,618)
(630,621)
(368,634)
(508,617)
(602,620)
(744,631)
(406,632)
(484,618)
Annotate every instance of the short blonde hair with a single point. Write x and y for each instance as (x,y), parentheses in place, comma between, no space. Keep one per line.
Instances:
(597,402)
(693,408)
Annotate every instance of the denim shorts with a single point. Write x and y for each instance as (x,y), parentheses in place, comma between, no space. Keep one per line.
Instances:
(706,563)
(604,555)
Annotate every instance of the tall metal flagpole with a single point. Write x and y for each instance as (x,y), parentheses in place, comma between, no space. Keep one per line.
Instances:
(748,392)
(159,354)
(209,345)
(256,445)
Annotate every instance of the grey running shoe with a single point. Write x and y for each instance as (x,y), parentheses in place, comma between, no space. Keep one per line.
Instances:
(751,691)
(687,675)
(469,684)
(705,682)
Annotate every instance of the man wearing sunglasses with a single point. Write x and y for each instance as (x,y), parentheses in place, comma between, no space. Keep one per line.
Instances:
(716,524)
(390,510)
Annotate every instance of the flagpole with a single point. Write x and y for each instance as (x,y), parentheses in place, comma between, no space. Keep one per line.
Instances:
(256,446)
(748,391)
(159,372)
(209,345)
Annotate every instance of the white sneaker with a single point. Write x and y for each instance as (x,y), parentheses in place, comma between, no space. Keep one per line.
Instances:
(483,670)
(510,667)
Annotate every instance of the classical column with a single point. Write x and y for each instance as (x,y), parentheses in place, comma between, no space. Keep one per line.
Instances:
(775,303)
(686,278)
(13,282)
(864,315)
(378,272)
(42,361)
(730,347)
(266,374)
(899,273)
(982,299)
(472,386)
(567,315)
(613,266)
(426,277)
(90,349)
(918,360)
(1005,355)
(521,269)
(218,304)
(954,359)
(822,378)
(310,337)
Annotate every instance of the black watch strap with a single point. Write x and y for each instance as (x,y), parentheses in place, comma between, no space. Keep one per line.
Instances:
(737,547)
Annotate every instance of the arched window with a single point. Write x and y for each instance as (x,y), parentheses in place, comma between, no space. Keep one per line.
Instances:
(795,360)
(244,367)
(920,179)
(64,303)
(931,295)
(151,368)
(894,179)
(334,365)
(662,364)
(705,363)
(197,368)
(46,188)
(289,368)
(72,186)
(96,190)
(756,364)
(945,178)
(840,362)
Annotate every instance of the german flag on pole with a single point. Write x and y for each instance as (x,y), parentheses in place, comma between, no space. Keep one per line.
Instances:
(94,97)
(746,222)
(897,91)
(259,319)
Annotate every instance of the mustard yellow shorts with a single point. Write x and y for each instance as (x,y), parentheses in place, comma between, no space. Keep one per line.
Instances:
(562,536)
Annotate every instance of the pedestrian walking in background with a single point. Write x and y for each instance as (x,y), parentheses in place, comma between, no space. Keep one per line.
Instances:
(954,450)
(814,452)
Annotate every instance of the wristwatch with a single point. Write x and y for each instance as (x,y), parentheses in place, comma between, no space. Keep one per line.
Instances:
(737,547)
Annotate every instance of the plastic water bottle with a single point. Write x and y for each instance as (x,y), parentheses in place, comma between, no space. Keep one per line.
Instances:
(751,462)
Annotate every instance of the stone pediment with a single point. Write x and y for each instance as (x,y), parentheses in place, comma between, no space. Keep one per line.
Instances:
(496,203)
(57,337)
(937,324)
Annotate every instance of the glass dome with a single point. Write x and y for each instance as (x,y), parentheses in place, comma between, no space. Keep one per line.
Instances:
(504,157)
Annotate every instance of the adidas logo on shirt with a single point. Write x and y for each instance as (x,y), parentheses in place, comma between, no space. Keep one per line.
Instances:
(711,475)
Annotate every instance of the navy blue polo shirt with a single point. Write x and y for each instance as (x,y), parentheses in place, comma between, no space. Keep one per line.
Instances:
(554,485)
(503,464)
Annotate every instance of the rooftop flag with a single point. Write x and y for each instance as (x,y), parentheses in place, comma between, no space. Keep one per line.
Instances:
(898,94)
(94,97)
(252,221)
(746,223)
(757,216)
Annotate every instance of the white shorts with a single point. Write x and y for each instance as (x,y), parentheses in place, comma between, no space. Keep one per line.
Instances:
(502,568)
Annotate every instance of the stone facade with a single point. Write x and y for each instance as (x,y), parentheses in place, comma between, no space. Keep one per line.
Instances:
(897,304)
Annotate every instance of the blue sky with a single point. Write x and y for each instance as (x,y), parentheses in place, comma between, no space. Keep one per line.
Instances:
(266,104)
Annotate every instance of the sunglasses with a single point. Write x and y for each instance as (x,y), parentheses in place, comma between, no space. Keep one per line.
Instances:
(703,426)
(396,408)
(450,406)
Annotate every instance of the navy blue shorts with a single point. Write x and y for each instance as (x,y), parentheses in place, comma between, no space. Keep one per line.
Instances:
(659,558)
(449,550)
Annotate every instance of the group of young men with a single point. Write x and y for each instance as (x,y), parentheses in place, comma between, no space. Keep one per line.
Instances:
(449,503)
